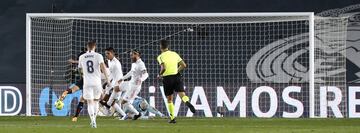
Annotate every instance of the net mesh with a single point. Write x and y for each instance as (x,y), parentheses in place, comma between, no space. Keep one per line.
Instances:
(221,52)
(330,66)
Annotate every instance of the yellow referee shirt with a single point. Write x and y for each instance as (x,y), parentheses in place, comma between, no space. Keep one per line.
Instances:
(170,59)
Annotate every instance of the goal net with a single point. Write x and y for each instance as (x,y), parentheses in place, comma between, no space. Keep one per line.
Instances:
(239,64)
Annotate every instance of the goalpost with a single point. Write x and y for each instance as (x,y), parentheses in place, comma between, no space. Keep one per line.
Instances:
(276,59)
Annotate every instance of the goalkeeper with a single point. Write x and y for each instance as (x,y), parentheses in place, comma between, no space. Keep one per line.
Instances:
(143,107)
(171,66)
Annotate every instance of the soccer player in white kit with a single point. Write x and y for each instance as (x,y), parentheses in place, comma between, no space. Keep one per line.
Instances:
(115,74)
(90,64)
(138,75)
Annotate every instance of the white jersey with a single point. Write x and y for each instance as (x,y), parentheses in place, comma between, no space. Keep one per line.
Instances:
(115,69)
(90,65)
(137,72)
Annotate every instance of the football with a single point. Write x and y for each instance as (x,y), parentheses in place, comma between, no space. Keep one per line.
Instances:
(59,104)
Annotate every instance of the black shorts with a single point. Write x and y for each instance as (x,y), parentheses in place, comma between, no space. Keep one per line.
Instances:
(80,83)
(173,83)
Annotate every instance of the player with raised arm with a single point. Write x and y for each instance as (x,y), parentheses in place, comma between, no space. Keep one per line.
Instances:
(171,65)
(92,64)
(138,75)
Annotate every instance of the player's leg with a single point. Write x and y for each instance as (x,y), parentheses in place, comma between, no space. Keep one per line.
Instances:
(70,90)
(78,86)
(171,107)
(153,110)
(97,94)
(168,84)
(115,96)
(96,108)
(88,95)
(78,109)
(128,97)
(117,108)
(179,88)
(107,91)
(105,100)
(91,111)
(185,99)
(106,97)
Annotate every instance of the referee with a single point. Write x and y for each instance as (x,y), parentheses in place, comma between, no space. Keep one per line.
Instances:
(171,65)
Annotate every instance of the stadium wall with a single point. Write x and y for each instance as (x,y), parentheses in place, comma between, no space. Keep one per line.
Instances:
(12,99)
(240,102)
(234,102)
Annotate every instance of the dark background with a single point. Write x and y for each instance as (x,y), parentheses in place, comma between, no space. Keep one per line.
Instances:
(12,18)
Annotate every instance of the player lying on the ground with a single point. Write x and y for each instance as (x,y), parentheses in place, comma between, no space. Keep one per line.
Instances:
(142,106)
(138,75)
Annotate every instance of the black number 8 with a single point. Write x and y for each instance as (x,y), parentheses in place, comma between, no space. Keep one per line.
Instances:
(90,67)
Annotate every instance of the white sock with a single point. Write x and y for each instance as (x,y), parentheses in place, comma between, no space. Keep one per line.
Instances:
(90,107)
(96,109)
(131,108)
(113,96)
(118,109)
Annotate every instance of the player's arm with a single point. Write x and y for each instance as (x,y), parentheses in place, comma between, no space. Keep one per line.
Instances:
(80,65)
(103,69)
(129,74)
(144,73)
(182,64)
(162,66)
(154,111)
(72,61)
(162,69)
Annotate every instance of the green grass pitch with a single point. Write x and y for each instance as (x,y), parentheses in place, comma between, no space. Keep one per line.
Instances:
(22,124)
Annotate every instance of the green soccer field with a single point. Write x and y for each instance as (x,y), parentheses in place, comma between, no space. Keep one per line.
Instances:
(185,125)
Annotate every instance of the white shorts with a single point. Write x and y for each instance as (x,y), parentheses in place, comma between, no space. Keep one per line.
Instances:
(123,87)
(92,92)
(132,92)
